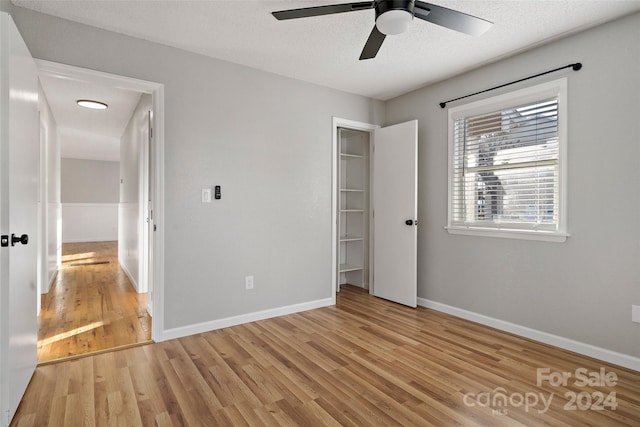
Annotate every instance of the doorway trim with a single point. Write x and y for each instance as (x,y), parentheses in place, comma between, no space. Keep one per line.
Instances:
(156,90)
(337,122)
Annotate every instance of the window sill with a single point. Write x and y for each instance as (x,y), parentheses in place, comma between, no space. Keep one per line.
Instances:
(539,235)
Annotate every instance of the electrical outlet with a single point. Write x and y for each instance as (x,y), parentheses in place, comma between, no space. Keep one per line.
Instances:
(248,282)
(635,313)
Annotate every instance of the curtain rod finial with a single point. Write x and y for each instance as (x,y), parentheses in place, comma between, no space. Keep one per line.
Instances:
(577,66)
(443,104)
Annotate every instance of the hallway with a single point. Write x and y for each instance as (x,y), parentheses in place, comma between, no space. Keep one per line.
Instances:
(91,306)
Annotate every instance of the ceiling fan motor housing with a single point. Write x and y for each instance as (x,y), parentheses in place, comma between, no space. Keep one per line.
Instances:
(393,16)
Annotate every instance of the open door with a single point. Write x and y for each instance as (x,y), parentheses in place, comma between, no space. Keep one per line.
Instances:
(395,220)
(19,151)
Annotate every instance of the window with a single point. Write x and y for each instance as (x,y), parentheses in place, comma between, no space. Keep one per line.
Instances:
(507,169)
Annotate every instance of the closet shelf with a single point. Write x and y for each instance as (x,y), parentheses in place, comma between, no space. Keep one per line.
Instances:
(349,267)
(350,156)
(351,238)
(355,190)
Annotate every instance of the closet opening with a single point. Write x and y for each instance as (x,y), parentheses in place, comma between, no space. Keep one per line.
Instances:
(353,208)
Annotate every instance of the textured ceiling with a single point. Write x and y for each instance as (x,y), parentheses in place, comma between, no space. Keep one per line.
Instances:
(325,50)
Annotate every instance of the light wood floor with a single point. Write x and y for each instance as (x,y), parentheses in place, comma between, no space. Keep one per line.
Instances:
(363,362)
(91,306)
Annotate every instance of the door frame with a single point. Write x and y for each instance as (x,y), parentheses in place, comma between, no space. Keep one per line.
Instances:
(42,214)
(145,208)
(156,90)
(337,122)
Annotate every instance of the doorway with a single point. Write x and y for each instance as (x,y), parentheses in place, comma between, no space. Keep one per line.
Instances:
(353,209)
(375,218)
(121,256)
(351,189)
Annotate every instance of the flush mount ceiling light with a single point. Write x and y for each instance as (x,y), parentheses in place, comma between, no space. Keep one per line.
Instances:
(94,105)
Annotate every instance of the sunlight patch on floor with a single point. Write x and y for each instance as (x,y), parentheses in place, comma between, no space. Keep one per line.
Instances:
(65,335)
(78,256)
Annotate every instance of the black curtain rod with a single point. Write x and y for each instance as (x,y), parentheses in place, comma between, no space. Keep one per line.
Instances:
(577,66)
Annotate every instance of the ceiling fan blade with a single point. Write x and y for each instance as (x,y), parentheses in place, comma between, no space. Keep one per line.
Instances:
(450,18)
(373,44)
(322,10)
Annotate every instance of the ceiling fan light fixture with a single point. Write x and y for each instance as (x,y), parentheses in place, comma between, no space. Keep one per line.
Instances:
(393,17)
(94,105)
(395,21)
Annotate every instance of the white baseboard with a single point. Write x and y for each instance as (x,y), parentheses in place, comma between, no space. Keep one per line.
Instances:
(603,354)
(133,281)
(198,328)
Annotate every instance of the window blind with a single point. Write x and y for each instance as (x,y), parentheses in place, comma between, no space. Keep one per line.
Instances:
(506,168)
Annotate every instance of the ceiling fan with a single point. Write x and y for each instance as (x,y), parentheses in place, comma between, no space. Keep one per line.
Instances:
(393,17)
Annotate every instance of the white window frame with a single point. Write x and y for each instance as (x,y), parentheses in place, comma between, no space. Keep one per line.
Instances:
(556,88)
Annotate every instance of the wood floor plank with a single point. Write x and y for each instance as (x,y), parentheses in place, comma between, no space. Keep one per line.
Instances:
(91,305)
(362,362)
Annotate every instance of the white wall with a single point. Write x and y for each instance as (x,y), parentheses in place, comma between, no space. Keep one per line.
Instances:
(582,289)
(89,222)
(89,181)
(131,192)
(264,138)
(50,199)
(89,194)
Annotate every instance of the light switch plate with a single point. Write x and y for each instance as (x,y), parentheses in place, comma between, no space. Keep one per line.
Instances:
(206,195)
(635,313)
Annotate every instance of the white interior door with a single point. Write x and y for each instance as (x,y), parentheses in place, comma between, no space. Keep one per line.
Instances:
(395,212)
(19,148)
